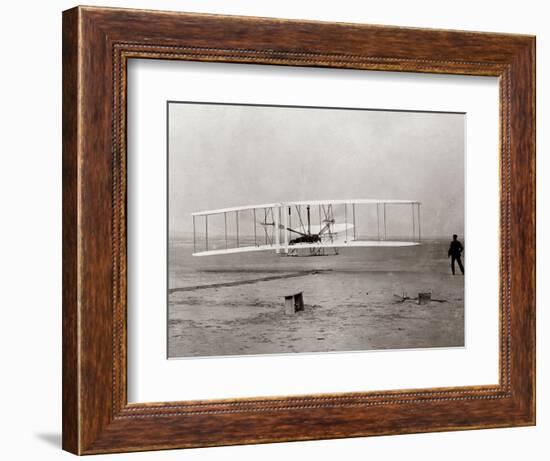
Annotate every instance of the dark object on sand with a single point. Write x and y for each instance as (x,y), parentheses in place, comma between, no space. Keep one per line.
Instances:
(294,303)
(424,298)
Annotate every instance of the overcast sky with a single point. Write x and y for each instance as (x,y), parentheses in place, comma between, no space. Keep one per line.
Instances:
(222,156)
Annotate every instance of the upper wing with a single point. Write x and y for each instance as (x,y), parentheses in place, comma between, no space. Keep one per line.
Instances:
(360,201)
(357,201)
(235,209)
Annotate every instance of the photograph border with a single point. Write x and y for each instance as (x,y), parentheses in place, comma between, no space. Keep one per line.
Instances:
(97,44)
(288,106)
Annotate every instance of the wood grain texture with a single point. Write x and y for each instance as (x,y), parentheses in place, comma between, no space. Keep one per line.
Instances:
(97,43)
(70,385)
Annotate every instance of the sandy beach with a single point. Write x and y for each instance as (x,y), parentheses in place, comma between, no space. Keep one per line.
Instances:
(234,304)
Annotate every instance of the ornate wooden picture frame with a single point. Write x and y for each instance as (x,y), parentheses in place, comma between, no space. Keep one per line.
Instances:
(97,44)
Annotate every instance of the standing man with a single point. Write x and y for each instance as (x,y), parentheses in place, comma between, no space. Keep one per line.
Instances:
(455,251)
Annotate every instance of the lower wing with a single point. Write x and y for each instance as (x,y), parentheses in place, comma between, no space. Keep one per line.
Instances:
(337,243)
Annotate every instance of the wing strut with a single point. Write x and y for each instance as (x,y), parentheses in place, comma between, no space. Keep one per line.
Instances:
(419,235)
(237,222)
(276,231)
(285,231)
(225,227)
(378,219)
(414,226)
(255,242)
(385,227)
(194,237)
(346,219)
(354,234)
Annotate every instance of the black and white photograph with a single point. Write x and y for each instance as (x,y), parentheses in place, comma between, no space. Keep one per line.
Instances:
(313,229)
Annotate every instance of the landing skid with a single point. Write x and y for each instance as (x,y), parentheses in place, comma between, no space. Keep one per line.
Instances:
(295,252)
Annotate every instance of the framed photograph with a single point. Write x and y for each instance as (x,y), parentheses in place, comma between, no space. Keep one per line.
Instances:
(282,230)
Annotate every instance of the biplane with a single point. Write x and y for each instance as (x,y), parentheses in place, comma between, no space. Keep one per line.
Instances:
(302,228)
